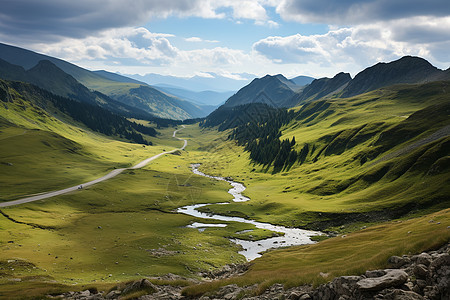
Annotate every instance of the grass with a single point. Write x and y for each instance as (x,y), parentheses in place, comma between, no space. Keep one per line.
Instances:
(39,152)
(124,220)
(338,183)
(127,228)
(113,228)
(352,254)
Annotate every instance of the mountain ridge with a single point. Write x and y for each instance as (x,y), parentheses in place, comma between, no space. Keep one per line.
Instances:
(272,90)
(104,82)
(48,76)
(408,69)
(320,88)
(202,98)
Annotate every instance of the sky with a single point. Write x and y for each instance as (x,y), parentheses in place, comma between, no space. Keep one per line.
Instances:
(230,38)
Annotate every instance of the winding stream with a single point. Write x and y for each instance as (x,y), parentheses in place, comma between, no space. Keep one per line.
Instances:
(251,249)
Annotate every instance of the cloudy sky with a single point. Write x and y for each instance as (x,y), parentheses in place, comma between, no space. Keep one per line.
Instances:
(230,37)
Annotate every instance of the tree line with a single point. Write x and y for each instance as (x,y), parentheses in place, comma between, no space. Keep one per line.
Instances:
(262,139)
(94,117)
(257,127)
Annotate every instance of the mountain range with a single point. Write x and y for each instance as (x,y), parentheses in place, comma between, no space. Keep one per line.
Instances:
(363,160)
(184,98)
(278,91)
(112,91)
(208,82)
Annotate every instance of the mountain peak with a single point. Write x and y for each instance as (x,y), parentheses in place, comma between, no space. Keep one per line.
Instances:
(408,69)
(46,65)
(280,76)
(273,90)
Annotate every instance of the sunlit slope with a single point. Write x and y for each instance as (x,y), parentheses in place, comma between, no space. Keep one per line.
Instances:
(150,100)
(119,229)
(44,149)
(351,254)
(363,159)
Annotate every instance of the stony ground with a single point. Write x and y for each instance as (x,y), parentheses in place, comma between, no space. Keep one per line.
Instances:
(415,277)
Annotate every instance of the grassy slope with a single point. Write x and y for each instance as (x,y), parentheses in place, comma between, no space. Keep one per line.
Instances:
(352,254)
(39,152)
(60,239)
(337,182)
(145,98)
(134,212)
(310,194)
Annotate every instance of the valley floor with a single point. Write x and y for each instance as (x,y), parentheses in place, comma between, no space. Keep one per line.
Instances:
(127,227)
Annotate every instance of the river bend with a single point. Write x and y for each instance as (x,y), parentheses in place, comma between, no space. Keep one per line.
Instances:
(251,249)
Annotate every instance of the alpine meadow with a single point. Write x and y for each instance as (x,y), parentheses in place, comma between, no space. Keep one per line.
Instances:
(197,151)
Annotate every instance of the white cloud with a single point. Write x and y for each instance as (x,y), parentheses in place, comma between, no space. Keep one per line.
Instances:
(54,20)
(195,39)
(273,24)
(359,46)
(247,9)
(129,44)
(103,35)
(138,48)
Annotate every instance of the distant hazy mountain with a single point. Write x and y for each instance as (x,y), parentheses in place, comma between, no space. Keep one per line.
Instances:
(153,101)
(202,102)
(302,80)
(407,69)
(66,79)
(271,90)
(322,87)
(211,98)
(48,76)
(215,82)
(116,77)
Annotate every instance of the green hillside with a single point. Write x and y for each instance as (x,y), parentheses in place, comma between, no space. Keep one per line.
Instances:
(372,171)
(117,226)
(68,80)
(153,101)
(50,142)
(359,160)
(375,173)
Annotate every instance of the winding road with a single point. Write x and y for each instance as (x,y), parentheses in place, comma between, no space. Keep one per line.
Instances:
(110,175)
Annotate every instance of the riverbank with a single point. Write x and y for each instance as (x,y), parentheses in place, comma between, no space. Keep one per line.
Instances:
(283,236)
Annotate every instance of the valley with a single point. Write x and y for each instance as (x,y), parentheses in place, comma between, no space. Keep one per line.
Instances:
(328,179)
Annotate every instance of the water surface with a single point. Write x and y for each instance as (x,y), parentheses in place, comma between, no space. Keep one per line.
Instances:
(251,249)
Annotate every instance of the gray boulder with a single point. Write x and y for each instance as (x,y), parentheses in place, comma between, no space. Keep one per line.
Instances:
(392,278)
